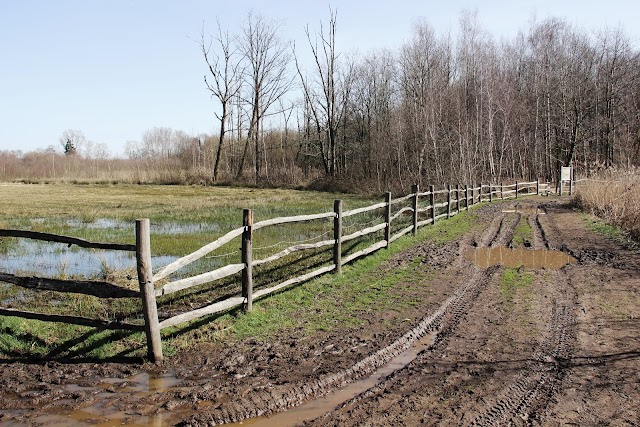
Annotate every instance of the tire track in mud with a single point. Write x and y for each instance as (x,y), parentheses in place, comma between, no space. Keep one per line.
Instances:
(539,237)
(451,311)
(441,321)
(541,378)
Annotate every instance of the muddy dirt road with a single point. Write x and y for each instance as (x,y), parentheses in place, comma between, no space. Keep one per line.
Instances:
(562,351)
(537,345)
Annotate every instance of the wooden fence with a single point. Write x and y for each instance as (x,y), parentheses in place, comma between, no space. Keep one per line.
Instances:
(441,204)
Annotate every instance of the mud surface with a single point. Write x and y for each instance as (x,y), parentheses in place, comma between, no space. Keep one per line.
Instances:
(561,349)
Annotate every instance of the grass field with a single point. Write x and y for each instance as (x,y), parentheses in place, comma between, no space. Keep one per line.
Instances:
(183,219)
(67,209)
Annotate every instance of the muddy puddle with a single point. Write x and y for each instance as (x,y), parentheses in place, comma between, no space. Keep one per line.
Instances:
(143,385)
(318,407)
(85,418)
(528,258)
(101,414)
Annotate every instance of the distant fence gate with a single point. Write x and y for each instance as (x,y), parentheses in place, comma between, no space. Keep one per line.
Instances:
(442,204)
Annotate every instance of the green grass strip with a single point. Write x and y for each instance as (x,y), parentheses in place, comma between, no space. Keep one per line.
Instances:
(330,301)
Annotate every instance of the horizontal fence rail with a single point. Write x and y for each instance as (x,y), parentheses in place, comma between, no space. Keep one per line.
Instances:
(363,210)
(400,216)
(190,282)
(205,250)
(66,239)
(292,249)
(291,219)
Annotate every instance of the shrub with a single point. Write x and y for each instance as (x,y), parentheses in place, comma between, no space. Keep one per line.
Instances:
(613,196)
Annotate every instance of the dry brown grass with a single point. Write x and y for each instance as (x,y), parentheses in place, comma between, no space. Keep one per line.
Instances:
(615,197)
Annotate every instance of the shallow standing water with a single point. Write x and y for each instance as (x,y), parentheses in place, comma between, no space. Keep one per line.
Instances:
(102,415)
(528,258)
(57,259)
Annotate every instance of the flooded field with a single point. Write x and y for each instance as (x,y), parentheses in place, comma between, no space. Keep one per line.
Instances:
(27,257)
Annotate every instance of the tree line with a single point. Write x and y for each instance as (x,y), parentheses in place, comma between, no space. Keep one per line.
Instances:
(436,109)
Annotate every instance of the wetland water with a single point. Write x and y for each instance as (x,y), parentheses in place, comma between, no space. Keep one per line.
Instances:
(46,259)
(25,256)
(57,259)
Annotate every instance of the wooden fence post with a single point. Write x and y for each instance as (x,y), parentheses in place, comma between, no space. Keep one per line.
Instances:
(457,198)
(387,218)
(247,258)
(571,183)
(414,189)
(147,290)
(449,201)
(466,197)
(516,189)
(502,191)
(480,195)
(538,186)
(337,236)
(432,202)
(490,193)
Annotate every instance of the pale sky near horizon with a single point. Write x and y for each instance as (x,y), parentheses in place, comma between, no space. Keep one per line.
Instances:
(114,69)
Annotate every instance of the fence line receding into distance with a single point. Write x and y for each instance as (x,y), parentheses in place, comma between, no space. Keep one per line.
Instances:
(442,204)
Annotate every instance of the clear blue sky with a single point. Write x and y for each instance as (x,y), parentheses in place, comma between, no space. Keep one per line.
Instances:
(113,69)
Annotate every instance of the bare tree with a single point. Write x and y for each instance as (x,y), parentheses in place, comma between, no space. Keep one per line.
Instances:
(424,74)
(158,143)
(369,116)
(72,141)
(325,93)
(225,68)
(266,78)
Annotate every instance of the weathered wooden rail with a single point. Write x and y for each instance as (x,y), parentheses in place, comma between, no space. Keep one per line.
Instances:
(440,204)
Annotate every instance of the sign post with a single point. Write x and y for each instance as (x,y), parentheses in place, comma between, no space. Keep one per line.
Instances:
(566,174)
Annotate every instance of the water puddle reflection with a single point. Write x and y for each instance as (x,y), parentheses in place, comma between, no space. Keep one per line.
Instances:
(322,405)
(101,414)
(58,260)
(142,383)
(528,258)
